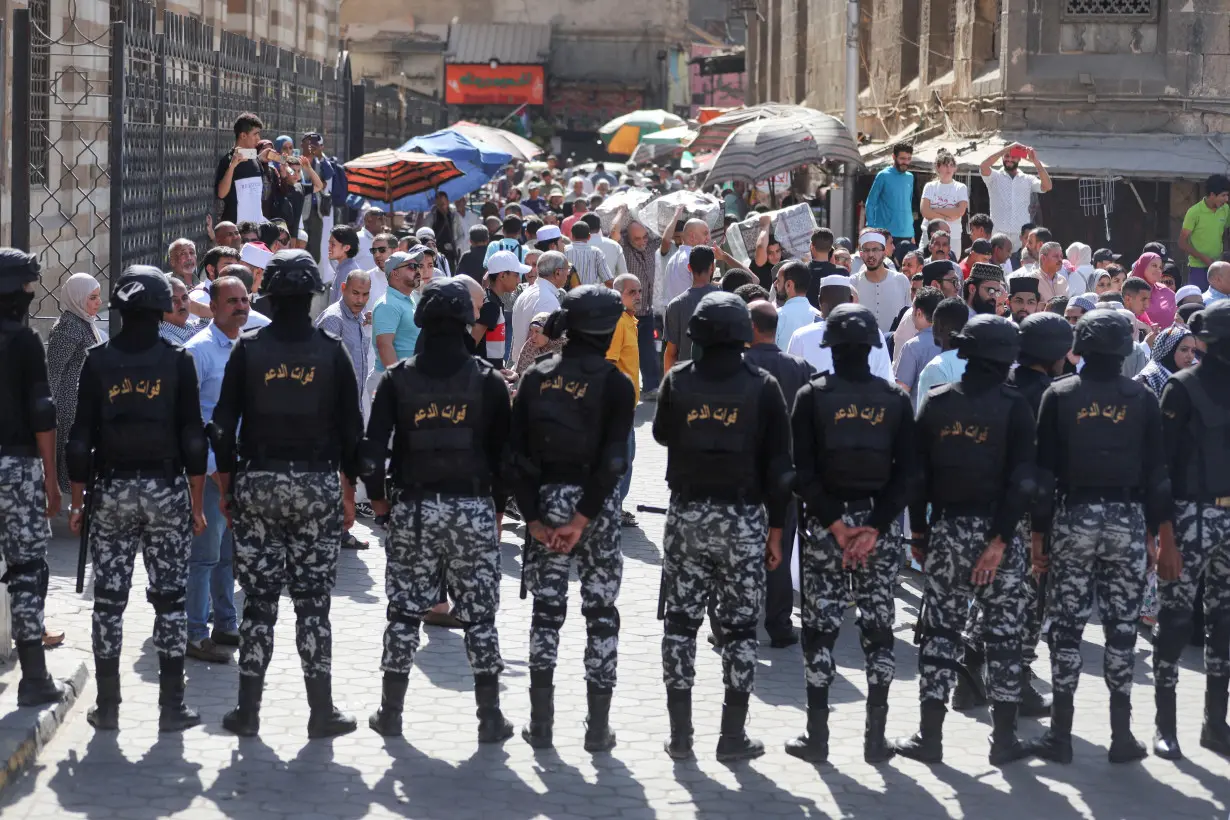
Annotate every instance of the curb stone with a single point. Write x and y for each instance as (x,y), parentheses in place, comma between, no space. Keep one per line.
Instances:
(20,745)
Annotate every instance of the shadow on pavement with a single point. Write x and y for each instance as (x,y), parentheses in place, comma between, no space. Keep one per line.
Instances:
(104,782)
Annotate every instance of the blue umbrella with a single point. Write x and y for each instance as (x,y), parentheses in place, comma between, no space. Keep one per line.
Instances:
(477,160)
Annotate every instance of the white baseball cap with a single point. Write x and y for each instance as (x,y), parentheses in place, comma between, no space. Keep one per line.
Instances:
(258,256)
(547,233)
(505,261)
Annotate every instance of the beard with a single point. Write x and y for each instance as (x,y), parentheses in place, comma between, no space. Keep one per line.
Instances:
(982,306)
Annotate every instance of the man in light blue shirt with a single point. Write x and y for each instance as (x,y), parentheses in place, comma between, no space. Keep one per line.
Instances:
(211,580)
(949,318)
(890,202)
(790,285)
(393,329)
(1219,283)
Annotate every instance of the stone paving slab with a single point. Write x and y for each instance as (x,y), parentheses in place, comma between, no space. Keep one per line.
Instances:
(24,731)
(439,771)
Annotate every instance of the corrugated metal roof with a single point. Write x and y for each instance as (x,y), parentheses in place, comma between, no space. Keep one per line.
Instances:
(513,44)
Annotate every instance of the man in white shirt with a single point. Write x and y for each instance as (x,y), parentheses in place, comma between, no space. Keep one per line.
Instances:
(383,246)
(373,223)
(463,220)
(883,291)
(806,341)
(676,278)
(1011,191)
(541,297)
(945,199)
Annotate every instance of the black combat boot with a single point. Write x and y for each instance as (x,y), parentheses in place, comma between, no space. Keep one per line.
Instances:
(813,745)
(539,732)
(492,727)
(927,744)
(876,749)
(245,719)
(1215,735)
(325,720)
(679,708)
(1055,744)
(971,690)
(734,744)
(1034,704)
(1124,747)
(1166,736)
(598,734)
(387,719)
(36,686)
(173,715)
(1005,745)
(104,715)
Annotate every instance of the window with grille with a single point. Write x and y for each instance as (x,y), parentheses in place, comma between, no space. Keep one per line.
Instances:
(1110,10)
(40,89)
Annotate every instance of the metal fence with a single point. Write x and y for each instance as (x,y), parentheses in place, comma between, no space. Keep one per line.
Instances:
(392,115)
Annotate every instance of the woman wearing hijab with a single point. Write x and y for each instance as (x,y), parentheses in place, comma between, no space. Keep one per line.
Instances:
(74,332)
(1079,255)
(1174,349)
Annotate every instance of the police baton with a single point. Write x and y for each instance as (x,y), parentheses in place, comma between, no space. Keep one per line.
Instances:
(87,512)
(651,509)
(525,559)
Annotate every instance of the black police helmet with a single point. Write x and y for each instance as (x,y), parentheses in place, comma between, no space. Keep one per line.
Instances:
(1045,336)
(142,287)
(851,324)
(16,269)
(291,273)
(592,309)
(989,337)
(1105,332)
(445,301)
(720,318)
(1212,324)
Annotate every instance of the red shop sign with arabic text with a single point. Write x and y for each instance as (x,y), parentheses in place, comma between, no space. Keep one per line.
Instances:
(484,85)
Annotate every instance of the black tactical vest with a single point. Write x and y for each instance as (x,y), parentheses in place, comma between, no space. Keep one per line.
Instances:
(1207,475)
(442,420)
(13,405)
(290,392)
(967,443)
(565,417)
(139,395)
(857,421)
(1102,424)
(716,426)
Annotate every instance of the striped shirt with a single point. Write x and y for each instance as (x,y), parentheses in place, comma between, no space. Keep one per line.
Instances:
(357,337)
(643,265)
(589,262)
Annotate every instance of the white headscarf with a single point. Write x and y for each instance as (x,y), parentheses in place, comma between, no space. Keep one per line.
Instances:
(73,294)
(1079,254)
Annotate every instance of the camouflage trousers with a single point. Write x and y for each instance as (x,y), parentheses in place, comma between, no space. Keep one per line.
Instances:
(827,588)
(1098,549)
(957,543)
(24,533)
(600,566)
(287,529)
(1032,610)
(717,549)
(457,534)
(153,516)
(1203,535)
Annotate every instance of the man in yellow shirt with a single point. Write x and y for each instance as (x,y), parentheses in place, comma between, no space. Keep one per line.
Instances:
(625,354)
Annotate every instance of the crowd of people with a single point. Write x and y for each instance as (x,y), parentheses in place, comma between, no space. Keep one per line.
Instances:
(1042,427)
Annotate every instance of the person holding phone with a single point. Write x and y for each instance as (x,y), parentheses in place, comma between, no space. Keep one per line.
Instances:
(239,181)
(1011,191)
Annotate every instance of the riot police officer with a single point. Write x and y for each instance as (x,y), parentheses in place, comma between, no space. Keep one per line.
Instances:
(571,421)
(288,486)
(139,413)
(447,413)
(29,494)
(976,460)
(1195,412)
(1100,442)
(725,427)
(1046,339)
(854,451)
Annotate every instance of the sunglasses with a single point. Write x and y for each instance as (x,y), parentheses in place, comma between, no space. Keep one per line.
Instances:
(380,248)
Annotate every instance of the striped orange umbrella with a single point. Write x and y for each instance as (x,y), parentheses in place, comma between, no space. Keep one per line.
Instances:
(387,176)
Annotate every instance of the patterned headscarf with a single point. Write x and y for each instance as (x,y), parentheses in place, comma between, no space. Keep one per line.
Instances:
(73,295)
(1162,363)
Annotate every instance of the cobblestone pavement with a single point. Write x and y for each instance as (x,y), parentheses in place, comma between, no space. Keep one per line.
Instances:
(439,771)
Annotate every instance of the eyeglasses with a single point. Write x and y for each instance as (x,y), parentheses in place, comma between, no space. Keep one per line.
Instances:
(992,290)
(870,250)
(380,248)
(952,280)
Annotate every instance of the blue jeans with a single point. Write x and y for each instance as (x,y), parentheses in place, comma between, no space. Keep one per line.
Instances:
(651,359)
(211,576)
(625,483)
(1198,277)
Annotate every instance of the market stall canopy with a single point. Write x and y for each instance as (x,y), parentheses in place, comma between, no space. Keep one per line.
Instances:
(514,144)
(767,147)
(622,134)
(713,134)
(1141,156)
(388,176)
(475,158)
